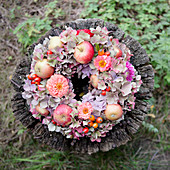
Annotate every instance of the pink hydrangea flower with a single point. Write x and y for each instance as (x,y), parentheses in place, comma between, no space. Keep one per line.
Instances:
(102,63)
(57,85)
(85,110)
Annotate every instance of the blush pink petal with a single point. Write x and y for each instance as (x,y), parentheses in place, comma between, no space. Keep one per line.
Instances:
(52,85)
(81,108)
(105,58)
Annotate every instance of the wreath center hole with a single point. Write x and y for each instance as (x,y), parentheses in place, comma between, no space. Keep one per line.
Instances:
(80,86)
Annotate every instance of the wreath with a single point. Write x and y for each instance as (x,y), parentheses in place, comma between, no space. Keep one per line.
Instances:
(81,83)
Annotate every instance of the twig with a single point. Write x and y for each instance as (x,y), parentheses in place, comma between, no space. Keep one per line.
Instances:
(137,152)
(152,159)
(164,142)
(16,84)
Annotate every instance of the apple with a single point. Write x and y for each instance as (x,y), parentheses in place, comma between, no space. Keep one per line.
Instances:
(43,69)
(84,52)
(94,80)
(42,111)
(118,52)
(62,115)
(113,111)
(55,42)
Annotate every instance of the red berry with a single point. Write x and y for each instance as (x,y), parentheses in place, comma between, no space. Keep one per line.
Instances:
(95,125)
(90,124)
(101,52)
(99,120)
(49,52)
(33,82)
(53,122)
(92,118)
(103,92)
(37,79)
(108,89)
(30,77)
(86,130)
(107,53)
(34,76)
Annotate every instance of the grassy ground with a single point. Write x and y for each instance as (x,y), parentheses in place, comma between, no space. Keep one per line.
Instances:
(19,150)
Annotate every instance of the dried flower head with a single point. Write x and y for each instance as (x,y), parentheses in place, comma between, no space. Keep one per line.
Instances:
(85,110)
(102,63)
(57,85)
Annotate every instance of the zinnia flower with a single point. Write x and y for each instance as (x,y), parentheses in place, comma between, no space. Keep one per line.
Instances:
(57,85)
(130,71)
(85,110)
(102,63)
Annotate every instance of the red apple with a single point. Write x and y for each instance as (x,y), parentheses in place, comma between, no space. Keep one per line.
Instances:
(43,69)
(42,111)
(113,111)
(62,115)
(55,42)
(94,81)
(84,52)
(118,52)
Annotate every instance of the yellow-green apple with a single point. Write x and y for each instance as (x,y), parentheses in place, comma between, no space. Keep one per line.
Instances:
(84,52)
(55,42)
(42,111)
(118,52)
(94,80)
(43,69)
(61,114)
(113,111)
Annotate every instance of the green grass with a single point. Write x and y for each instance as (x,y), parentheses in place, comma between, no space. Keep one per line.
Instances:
(146,21)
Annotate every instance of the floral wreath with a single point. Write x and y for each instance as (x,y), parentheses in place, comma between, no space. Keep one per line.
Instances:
(81,83)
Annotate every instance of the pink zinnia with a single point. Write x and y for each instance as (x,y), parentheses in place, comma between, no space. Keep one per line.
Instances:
(85,110)
(57,85)
(102,63)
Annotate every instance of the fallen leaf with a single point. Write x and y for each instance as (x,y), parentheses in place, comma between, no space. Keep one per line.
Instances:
(151,115)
